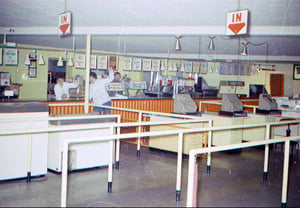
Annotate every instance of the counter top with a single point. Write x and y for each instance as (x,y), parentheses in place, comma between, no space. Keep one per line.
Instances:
(77,99)
(23,107)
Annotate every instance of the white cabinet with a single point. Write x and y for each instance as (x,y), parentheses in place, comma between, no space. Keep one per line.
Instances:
(14,149)
(82,155)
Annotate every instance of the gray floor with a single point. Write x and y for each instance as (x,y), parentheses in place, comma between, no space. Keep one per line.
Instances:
(235,181)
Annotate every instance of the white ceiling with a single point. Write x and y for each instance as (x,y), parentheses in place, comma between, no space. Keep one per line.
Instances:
(148,27)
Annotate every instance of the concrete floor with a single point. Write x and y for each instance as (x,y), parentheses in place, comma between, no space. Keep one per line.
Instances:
(235,181)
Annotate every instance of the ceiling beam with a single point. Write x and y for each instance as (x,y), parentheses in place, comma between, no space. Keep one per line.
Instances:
(156,30)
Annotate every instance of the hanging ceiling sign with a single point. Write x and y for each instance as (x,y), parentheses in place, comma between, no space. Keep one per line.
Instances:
(64,23)
(237,22)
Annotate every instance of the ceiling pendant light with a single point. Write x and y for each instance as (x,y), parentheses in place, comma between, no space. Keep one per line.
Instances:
(182,69)
(177,43)
(70,62)
(60,62)
(41,60)
(27,60)
(211,45)
(244,51)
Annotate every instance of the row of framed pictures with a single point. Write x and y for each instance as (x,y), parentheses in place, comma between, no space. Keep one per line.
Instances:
(102,62)
(234,69)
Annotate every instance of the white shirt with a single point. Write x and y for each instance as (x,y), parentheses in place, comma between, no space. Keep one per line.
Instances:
(60,90)
(98,91)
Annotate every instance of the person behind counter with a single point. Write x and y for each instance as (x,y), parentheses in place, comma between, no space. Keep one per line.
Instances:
(117,78)
(61,88)
(98,92)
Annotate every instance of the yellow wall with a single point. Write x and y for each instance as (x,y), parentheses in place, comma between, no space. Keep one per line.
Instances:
(36,88)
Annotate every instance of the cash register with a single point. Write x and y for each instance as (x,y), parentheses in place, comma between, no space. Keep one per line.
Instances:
(232,106)
(267,105)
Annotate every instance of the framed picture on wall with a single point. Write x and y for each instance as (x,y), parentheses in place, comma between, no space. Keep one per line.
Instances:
(222,69)
(126,63)
(137,64)
(155,64)
(10,56)
(32,72)
(146,64)
(229,68)
(188,66)
(102,62)
(113,60)
(80,61)
(296,71)
(93,62)
(203,67)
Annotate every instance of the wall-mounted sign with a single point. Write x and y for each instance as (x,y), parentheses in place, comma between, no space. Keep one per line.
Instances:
(155,64)
(64,23)
(102,62)
(93,62)
(80,61)
(10,56)
(136,64)
(146,64)
(237,22)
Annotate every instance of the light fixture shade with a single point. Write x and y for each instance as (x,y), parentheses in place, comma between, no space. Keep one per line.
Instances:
(70,62)
(60,62)
(27,60)
(182,68)
(174,67)
(244,51)
(177,43)
(211,45)
(162,67)
(41,60)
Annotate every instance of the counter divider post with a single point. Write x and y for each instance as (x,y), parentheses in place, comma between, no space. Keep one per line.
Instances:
(29,154)
(266,156)
(285,173)
(118,144)
(179,166)
(190,199)
(210,123)
(64,174)
(139,138)
(110,164)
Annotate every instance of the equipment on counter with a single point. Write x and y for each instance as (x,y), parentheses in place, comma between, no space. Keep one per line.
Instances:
(233,87)
(7,88)
(256,89)
(267,105)
(232,106)
(184,104)
(204,89)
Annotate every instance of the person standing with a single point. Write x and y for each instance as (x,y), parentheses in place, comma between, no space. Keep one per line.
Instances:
(117,79)
(98,92)
(61,88)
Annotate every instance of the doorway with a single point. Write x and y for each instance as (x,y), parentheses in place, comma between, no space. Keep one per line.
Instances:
(54,72)
(277,84)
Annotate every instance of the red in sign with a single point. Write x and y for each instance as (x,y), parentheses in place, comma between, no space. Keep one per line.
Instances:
(237,22)
(64,23)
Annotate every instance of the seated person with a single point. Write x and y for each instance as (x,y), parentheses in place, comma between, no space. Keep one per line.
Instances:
(61,88)
(117,78)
